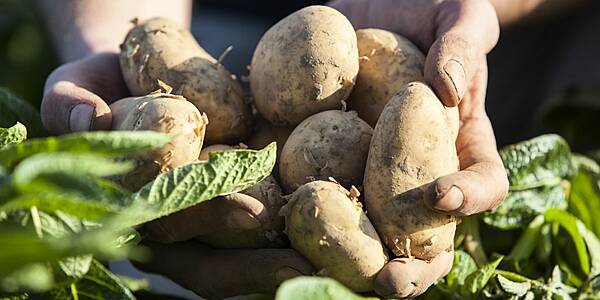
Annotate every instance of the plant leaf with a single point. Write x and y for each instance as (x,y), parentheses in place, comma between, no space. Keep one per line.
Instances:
(463,266)
(518,289)
(224,173)
(569,223)
(13,135)
(593,245)
(309,288)
(536,170)
(97,283)
(477,280)
(584,198)
(13,109)
(528,240)
(110,143)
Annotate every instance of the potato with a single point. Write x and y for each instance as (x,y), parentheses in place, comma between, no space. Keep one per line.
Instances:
(413,144)
(262,202)
(162,113)
(264,134)
(158,49)
(329,144)
(387,62)
(304,64)
(327,225)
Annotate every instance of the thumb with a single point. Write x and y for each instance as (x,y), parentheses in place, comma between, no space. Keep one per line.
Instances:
(465,30)
(67,107)
(76,94)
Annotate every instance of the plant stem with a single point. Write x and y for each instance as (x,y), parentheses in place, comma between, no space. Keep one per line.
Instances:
(472,240)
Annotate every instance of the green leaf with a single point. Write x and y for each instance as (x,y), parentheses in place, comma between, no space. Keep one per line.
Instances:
(541,161)
(477,280)
(536,169)
(521,207)
(528,240)
(13,135)
(315,288)
(593,245)
(591,290)
(13,109)
(463,266)
(75,266)
(518,289)
(33,277)
(98,283)
(64,163)
(76,206)
(584,198)
(569,223)
(111,143)
(224,173)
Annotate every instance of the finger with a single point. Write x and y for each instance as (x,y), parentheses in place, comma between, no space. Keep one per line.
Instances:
(221,273)
(410,277)
(482,183)
(465,30)
(76,95)
(235,212)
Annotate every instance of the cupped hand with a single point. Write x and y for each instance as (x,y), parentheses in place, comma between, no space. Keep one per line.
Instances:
(218,273)
(456,35)
(77,94)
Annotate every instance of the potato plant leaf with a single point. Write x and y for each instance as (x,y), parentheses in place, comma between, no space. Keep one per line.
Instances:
(477,280)
(515,288)
(584,199)
(13,135)
(569,223)
(111,143)
(462,267)
(13,109)
(224,173)
(593,245)
(310,288)
(97,283)
(536,170)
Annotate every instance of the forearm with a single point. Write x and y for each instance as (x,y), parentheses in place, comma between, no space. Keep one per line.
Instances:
(510,11)
(79,28)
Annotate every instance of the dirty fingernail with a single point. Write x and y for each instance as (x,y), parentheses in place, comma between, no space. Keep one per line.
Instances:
(242,220)
(80,118)
(451,200)
(456,72)
(286,273)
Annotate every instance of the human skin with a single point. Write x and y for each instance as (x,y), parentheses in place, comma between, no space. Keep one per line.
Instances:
(87,35)
(76,97)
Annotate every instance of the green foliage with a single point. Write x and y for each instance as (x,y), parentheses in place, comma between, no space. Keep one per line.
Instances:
(58,212)
(309,288)
(537,170)
(14,109)
(12,135)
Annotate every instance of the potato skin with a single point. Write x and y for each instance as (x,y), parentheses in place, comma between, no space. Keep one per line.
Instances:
(158,49)
(413,144)
(162,113)
(387,62)
(262,201)
(332,143)
(304,64)
(331,230)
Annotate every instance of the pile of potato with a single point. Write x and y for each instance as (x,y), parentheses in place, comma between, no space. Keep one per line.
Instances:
(306,72)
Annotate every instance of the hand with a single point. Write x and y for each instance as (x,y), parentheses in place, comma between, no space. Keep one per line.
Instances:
(456,35)
(77,94)
(218,273)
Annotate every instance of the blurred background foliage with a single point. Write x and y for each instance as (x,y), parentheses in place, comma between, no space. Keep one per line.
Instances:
(26,56)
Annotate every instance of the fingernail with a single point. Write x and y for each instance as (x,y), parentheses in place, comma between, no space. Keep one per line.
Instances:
(286,273)
(242,220)
(80,118)
(450,200)
(456,72)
